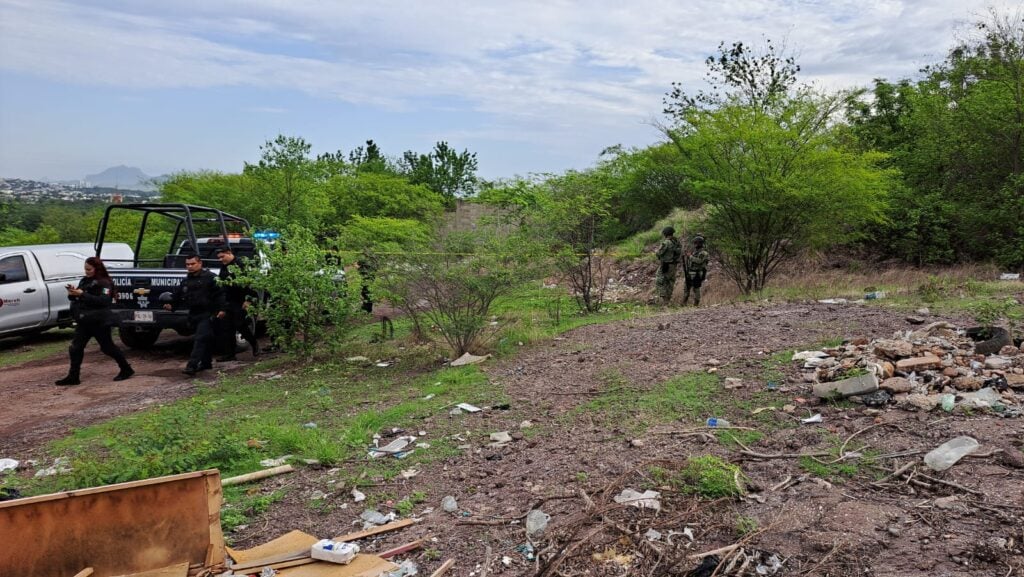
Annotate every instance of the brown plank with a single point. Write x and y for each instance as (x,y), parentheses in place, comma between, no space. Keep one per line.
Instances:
(395,525)
(361,566)
(178,570)
(161,522)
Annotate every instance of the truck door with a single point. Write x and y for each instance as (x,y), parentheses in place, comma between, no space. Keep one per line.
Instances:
(23,299)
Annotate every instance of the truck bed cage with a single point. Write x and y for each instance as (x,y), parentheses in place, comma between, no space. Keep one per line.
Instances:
(185,216)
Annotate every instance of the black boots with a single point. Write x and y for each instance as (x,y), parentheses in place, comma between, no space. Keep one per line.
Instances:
(125,373)
(71,379)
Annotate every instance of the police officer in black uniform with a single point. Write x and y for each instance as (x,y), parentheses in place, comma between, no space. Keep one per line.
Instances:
(90,308)
(238,298)
(199,292)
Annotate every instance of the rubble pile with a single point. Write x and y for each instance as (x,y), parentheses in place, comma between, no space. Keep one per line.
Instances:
(935,366)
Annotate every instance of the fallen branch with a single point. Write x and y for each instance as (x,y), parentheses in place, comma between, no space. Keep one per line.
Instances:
(443,568)
(487,562)
(257,475)
(782,455)
(823,559)
(896,473)
(402,548)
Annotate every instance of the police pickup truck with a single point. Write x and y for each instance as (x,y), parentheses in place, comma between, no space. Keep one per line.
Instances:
(33,279)
(153,273)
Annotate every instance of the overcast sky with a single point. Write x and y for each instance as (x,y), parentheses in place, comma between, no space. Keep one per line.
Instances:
(531,86)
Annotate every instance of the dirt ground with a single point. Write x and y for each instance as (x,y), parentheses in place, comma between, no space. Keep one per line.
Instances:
(36,411)
(964,521)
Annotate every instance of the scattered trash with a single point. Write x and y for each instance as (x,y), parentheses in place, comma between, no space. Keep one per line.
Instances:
(611,555)
(8,465)
(396,447)
(428,397)
(275,462)
(652,535)
(947,454)
(358,496)
(816,418)
(879,398)
(536,523)
(874,295)
(409,473)
(309,425)
(646,500)
(376,518)
(717,422)
(334,551)
(1010,276)
(771,566)
(468,408)
(407,569)
(981,399)
(525,424)
(506,561)
(382,365)
(733,383)
(688,533)
(526,549)
(268,572)
(948,402)
(449,504)
(318,495)
(833,301)
(358,360)
(468,359)
(706,568)
(60,465)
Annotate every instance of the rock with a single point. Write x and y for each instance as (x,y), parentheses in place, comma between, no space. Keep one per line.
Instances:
(859,385)
(968,383)
(636,443)
(923,311)
(998,363)
(449,504)
(946,502)
(922,402)
(893,349)
(896,385)
(919,363)
(915,320)
(526,424)
(806,355)
(1012,457)
(982,399)
(1009,351)
(950,372)
(712,362)
(888,370)
(1015,380)
(733,383)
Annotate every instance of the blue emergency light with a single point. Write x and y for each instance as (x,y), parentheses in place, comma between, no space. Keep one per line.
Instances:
(266,235)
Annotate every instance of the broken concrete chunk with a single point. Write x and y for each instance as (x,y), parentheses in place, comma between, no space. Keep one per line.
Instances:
(896,385)
(893,349)
(997,363)
(919,363)
(859,385)
(968,383)
(922,402)
(805,355)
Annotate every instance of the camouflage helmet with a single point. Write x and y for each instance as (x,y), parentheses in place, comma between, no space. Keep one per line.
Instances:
(698,240)
(668,231)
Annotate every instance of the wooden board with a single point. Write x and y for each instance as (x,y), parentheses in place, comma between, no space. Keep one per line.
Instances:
(361,566)
(117,529)
(179,570)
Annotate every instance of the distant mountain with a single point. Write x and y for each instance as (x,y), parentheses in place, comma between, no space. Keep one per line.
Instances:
(124,177)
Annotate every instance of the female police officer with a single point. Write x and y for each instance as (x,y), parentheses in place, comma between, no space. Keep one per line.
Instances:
(90,307)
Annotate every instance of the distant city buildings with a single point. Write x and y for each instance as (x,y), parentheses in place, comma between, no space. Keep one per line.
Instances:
(34,191)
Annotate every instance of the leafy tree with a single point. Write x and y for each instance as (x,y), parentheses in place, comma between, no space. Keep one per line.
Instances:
(646,185)
(381,195)
(232,193)
(770,167)
(285,179)
(453,286)
(447,172)
(369,159)
(309,300)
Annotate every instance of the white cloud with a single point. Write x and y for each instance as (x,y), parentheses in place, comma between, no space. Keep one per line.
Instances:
(546,67)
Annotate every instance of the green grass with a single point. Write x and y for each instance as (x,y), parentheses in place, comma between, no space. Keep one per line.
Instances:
(687,397)
(842,470)
(241,506)
(706,476)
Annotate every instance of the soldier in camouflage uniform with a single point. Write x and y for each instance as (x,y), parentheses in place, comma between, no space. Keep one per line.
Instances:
(695,270)
(669,253)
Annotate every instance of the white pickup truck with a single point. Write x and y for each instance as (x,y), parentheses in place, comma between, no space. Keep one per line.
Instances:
(32,280)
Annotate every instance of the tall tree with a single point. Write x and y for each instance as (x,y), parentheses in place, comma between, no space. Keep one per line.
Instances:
(770,167)
(286,178)
(447,172)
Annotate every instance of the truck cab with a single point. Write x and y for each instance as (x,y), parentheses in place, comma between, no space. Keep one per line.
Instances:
(154,270)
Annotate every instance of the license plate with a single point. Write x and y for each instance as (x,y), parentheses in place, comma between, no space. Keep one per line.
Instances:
(143,316)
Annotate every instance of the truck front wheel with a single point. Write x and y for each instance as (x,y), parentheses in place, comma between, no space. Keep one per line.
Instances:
(135,338)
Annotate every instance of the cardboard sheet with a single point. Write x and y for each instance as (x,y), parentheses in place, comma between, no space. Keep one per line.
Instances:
(361,566)
(292,542)
(179,570)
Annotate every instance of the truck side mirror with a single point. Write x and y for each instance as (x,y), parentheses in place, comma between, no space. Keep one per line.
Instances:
(3,276)
(166,297)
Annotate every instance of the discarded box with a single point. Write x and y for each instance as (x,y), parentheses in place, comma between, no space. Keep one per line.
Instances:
(334,551)
(123,529)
